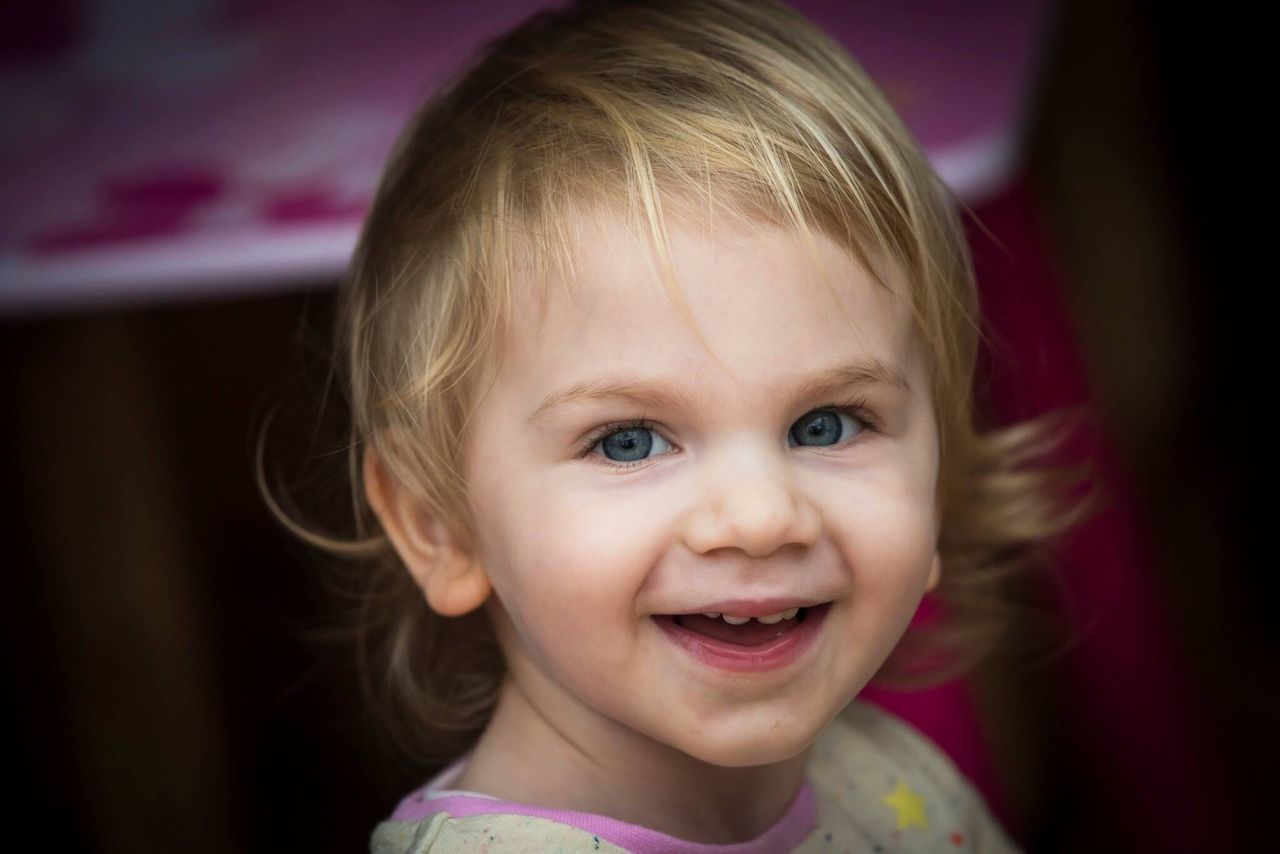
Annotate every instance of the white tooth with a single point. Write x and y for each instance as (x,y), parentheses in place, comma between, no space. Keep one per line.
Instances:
(710,615)
(735,621)
(787,615)
(772,618)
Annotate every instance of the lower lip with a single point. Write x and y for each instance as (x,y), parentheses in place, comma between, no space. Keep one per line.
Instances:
(773,655)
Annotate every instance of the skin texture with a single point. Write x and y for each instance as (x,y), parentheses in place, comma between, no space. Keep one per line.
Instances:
(601,712)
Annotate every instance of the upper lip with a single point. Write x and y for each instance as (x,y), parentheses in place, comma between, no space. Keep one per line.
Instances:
(753,607)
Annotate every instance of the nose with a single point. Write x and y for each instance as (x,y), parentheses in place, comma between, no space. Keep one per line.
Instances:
(758,510)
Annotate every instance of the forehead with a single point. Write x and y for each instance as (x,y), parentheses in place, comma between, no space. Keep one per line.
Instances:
(761,304)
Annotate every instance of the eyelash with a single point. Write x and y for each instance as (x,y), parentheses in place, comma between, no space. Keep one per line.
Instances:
(855,408)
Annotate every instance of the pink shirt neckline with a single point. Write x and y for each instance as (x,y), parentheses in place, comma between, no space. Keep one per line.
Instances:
(797,822)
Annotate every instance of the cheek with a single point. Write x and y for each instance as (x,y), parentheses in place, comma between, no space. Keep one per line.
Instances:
(607,540)
(565,564)
(887,534)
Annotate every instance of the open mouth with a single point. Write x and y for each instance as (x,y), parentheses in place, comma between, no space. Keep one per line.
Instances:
(751,646)
(748,634)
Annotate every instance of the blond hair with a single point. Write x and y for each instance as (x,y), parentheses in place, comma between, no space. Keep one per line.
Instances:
(739,107)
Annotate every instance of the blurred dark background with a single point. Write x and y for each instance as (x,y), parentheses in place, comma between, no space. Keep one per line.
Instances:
(162,688)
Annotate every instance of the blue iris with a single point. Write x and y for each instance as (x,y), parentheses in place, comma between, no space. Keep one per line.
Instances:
(820,427)
(628,446)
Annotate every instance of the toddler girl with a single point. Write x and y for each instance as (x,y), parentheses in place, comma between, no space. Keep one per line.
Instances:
(659,340)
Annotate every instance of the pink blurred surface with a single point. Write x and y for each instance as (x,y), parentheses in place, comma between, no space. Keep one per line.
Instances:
(201,147)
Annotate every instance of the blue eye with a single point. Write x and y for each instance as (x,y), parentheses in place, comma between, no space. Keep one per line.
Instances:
(821,427)
(632,444)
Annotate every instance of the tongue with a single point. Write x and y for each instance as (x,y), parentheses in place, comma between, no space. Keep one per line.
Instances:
(750,633)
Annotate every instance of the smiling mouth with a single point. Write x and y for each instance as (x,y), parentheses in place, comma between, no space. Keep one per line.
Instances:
(750,633)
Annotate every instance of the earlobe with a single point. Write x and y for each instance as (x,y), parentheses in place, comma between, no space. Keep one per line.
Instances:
(452,582)
(935,574)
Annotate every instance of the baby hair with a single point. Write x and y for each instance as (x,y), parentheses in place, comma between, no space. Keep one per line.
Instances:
(654,108)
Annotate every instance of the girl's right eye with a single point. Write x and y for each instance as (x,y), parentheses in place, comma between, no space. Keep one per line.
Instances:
(625,445)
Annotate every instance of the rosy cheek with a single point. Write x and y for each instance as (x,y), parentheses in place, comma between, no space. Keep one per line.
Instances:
(617,534)
(892,555)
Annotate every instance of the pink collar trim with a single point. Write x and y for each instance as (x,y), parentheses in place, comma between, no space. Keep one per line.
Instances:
(789,831)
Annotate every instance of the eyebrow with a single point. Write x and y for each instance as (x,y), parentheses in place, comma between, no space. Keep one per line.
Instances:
(865,372)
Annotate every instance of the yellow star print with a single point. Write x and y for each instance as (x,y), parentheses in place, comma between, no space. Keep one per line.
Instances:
(908,805)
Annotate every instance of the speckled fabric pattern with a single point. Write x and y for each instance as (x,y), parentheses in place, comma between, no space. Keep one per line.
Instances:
(880,787)
(488,833)
(884,787)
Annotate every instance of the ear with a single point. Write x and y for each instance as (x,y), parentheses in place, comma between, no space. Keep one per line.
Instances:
(452,582)
(935,573)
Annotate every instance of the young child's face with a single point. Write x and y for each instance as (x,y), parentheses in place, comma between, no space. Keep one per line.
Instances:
(748,490)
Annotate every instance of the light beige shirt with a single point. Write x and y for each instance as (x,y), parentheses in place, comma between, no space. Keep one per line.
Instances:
(880,786)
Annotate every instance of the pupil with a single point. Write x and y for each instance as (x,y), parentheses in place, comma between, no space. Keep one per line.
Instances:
(822,428)
(628,445)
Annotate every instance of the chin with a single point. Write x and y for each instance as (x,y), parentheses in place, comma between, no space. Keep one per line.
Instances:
(753,749)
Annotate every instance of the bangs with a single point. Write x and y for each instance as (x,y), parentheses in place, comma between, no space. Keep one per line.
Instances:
(573,146)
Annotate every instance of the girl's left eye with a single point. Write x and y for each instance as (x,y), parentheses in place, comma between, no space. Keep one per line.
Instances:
(631,444)
(823,427)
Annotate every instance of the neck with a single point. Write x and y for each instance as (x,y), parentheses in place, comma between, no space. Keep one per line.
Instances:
(558,759)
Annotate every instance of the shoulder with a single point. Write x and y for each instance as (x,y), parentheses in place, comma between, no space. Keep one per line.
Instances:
(882,782)
(868,734)
(487,832)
